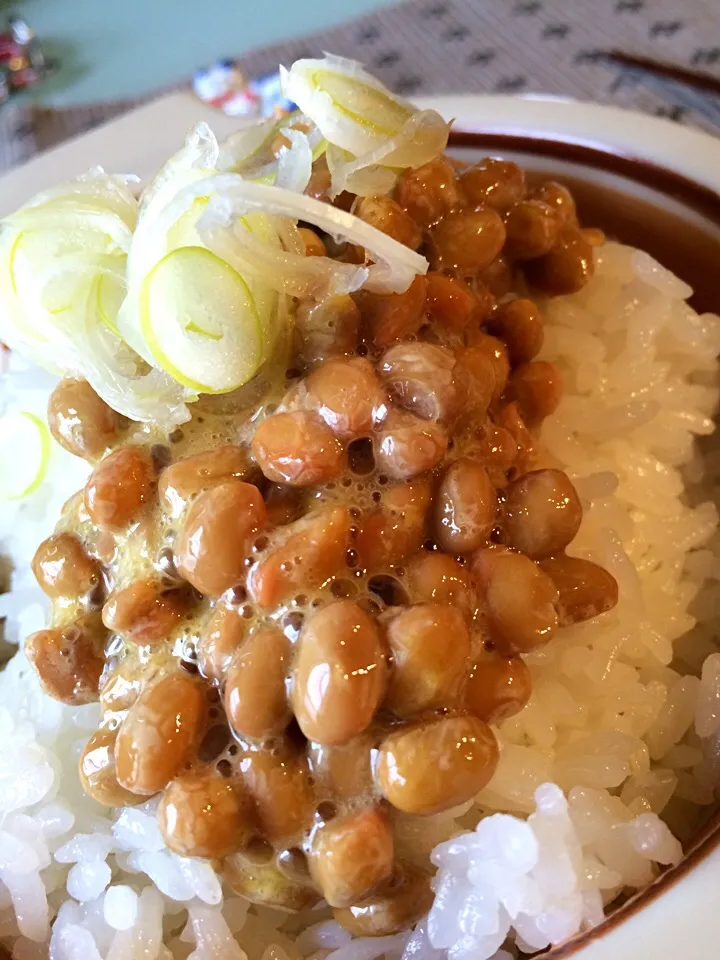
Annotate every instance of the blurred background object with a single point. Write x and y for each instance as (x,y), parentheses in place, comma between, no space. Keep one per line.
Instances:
(224,86)
(22,59)
(121,49)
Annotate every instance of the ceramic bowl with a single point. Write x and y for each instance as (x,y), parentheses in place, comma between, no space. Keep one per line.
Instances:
(645,181)
(656,185)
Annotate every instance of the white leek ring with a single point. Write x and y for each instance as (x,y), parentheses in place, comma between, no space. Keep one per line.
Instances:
(200,322)
(25,447)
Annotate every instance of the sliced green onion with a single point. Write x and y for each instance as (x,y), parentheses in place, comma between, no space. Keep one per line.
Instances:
(25,447)
(12,261)
(366,105)
(360,117)
(109,294)
(200,322)
(319,149)
(183,232)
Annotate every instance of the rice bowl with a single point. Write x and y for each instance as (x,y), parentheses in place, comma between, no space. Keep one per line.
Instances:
(612,736)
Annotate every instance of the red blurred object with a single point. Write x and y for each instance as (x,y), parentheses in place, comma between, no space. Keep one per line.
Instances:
(22,61)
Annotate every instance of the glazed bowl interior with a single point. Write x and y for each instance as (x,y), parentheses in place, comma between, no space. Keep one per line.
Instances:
(673,218)
(636,197)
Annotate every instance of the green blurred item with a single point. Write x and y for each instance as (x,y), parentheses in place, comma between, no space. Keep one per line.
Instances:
(129,48)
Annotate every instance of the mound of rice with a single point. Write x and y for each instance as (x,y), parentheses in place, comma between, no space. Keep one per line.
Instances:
(623,727)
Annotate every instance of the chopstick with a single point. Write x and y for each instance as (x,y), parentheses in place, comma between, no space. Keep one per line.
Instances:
(691,78)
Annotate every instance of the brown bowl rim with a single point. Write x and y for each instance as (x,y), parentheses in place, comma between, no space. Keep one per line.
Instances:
(700,198)
(706,202)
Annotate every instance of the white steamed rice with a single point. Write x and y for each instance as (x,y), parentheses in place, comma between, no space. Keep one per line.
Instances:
(623,725)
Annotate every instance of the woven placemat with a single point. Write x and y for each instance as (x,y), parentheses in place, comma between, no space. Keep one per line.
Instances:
(476,46)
